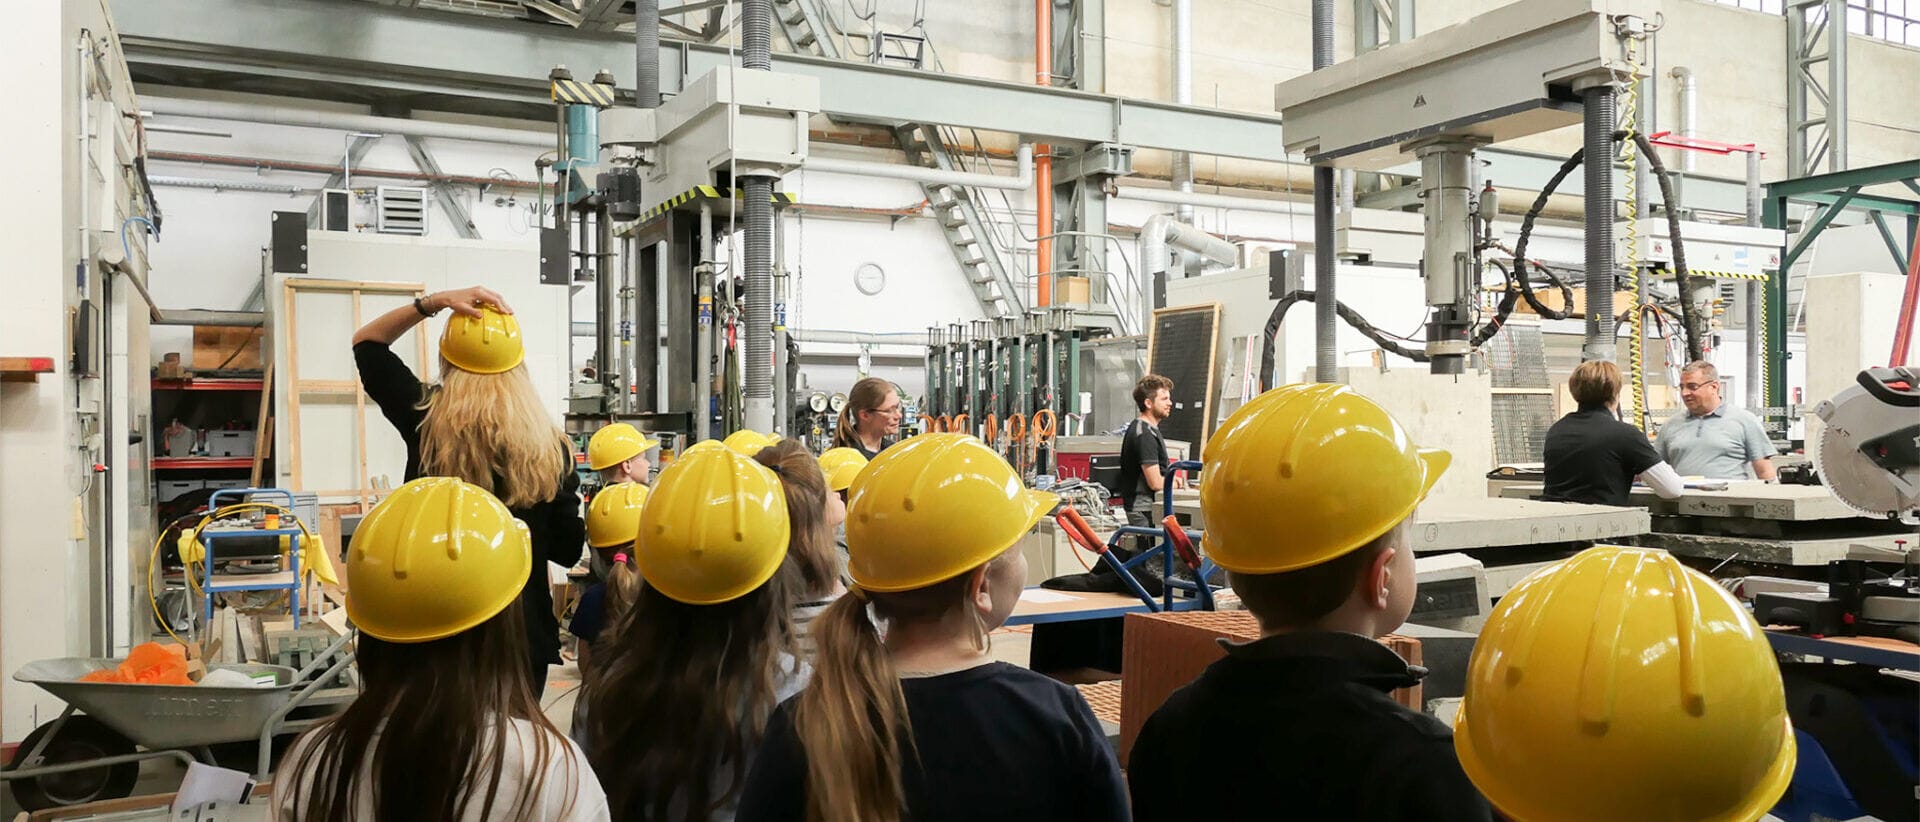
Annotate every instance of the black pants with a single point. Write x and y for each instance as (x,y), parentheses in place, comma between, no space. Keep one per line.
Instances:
(539,679)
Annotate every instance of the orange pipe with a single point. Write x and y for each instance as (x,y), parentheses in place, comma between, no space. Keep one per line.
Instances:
(1043,156)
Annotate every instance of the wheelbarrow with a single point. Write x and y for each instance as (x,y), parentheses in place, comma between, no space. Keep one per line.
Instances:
(93,749)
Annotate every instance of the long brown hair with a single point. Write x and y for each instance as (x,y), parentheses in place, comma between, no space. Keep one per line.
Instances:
(492,431)
(811,546)
(867,395)
(852,718)
(682,695)
(623,585)
(433,719)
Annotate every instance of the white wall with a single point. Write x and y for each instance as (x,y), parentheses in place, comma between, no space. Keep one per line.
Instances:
(56,556)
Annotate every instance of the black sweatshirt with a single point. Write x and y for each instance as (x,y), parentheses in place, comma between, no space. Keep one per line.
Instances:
(558,534)
(1299,726)
(994,742)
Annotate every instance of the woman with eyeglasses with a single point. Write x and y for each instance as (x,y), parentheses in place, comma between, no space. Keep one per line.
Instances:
(871,421)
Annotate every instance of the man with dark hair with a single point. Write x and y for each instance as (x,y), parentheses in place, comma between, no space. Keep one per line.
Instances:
(1713,440)
(1143,453)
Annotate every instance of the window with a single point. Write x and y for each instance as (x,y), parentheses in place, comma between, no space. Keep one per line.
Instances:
(1896,21)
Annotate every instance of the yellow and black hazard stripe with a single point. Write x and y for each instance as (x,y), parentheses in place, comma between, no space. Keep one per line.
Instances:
(781,199)
(581,93)
(1727,275)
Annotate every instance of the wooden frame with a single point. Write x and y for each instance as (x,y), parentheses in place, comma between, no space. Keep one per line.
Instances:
(1210,393)
(296,387)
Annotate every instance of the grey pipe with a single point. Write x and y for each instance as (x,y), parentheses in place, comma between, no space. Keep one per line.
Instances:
(1326,359)
(646,53)
(782,393)
(703,354)
(756,35)
(758,192)
(1756,295)
(1689,111)
(1183,95)
(1156,236)
(1599,124)
(916,339)
(756,53)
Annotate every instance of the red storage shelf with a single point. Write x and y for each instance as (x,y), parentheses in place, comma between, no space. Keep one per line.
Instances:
(176,463)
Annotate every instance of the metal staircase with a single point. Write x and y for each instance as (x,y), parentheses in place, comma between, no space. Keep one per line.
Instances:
(965,216)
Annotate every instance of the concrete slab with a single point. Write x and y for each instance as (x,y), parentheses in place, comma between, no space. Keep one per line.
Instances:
(1745,498)
(1800,552)
(1461,523)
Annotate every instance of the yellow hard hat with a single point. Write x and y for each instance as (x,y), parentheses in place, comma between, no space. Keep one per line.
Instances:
(715,528)
(1306,473)
(934,507)
(488,344)
(436,557)
(613,517)
(749,442)
(841,465)
(1621,684)
(616,444)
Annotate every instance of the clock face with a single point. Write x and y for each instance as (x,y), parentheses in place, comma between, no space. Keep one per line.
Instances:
(870,278)
(838,402)
(817,401)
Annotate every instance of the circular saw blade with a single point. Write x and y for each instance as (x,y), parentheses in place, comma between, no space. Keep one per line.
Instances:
(1851,419)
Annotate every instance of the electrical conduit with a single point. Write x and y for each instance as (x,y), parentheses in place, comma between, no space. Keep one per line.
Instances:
(1043,164)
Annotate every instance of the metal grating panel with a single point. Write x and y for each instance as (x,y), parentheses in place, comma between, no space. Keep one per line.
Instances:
(1520,423)
(1517,361)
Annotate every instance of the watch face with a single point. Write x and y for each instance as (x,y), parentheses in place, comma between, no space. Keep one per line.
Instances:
(870,278)
(817,401)
(838,403)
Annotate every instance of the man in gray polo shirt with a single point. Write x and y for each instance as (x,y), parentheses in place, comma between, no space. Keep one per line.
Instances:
(1713,440)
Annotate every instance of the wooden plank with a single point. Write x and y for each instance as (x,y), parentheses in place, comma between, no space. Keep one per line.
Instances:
(360,415)
(24,369)
(262,428)
(339,387)
(305,284)
(293,397)
(226,347)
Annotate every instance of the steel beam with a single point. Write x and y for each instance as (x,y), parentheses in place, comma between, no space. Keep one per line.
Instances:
(325,46)
(355,152)
(1904,171)
(443,193)
(1893,245)
(374,47)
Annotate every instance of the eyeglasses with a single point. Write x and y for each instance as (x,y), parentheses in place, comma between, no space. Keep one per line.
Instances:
(1695,386)
(889,410)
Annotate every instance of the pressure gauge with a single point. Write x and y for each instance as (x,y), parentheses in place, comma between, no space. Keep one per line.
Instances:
(817,401)
(838,403)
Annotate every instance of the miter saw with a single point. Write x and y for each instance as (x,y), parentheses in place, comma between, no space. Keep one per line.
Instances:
(1869,452)
(1869,456)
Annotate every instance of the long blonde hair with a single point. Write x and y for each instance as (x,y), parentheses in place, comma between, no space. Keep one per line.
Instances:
(492,431)
(852,718)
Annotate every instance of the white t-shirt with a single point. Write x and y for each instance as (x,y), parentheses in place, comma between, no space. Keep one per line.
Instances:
(566,792)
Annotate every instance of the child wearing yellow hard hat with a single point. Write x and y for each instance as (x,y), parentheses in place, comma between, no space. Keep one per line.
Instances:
(1307,494)
(613,518)
(923,721)
(619,453)
(484,422)
(446,725)
(1621,684)
(680,690)
(840,465)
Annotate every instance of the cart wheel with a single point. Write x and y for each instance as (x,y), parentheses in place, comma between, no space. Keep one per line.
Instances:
(82,738)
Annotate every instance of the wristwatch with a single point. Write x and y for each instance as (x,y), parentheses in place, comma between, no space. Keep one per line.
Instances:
(420,306)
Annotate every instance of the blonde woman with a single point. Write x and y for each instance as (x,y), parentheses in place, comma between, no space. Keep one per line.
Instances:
(483,423)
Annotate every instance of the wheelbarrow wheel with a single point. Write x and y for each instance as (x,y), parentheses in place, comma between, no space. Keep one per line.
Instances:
(82,738)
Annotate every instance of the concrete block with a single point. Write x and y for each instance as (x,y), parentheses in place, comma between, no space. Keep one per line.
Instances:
(1745,498)
(1798,552)
(1439,411)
